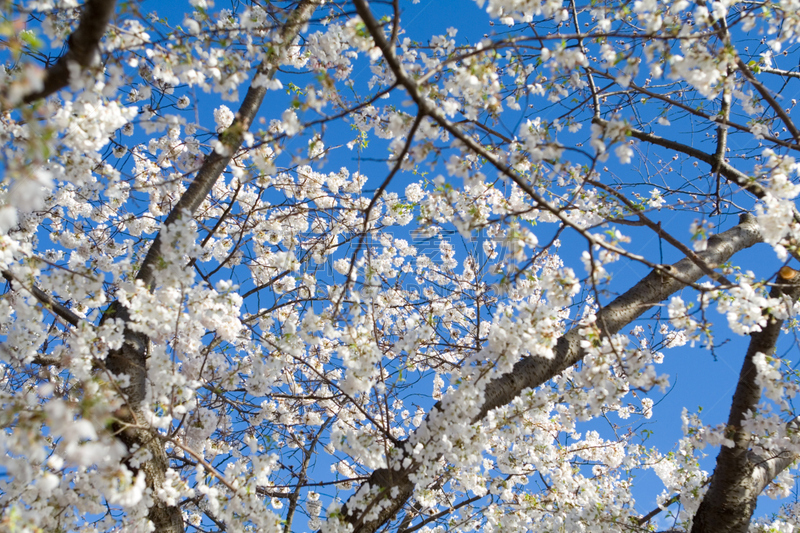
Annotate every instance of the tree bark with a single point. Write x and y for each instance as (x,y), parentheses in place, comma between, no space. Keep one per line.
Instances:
(83,46)
(215,163)
(740,475)
(531,372)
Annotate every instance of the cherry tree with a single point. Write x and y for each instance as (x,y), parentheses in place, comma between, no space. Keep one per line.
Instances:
(296,266)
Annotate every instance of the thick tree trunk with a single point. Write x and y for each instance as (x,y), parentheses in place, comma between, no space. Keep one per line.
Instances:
(740,475)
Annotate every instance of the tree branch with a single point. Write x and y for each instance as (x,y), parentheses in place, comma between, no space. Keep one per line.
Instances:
(698,113)
(765,469)
(308,453)
(231,140)
(764,92)
(425,107)
(47,301)
(779,72)
(83,47)
(131,359)
(395,486)
(531,372)
(652,514)
(736,483)
(685,250)
(654,288)
(725,169)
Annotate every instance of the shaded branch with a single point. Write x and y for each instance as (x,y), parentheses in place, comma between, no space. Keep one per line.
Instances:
(83,47)
(736,483)
(47,301)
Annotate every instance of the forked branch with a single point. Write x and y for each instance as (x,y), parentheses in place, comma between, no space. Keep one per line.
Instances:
(740,476)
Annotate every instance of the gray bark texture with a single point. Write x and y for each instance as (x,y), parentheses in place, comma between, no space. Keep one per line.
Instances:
(740,474)
(531,372)
(656,287)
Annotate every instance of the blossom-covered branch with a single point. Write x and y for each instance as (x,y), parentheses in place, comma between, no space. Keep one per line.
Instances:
(230,139)
(530,372)
(739,476)
(83,48)
(131,359)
